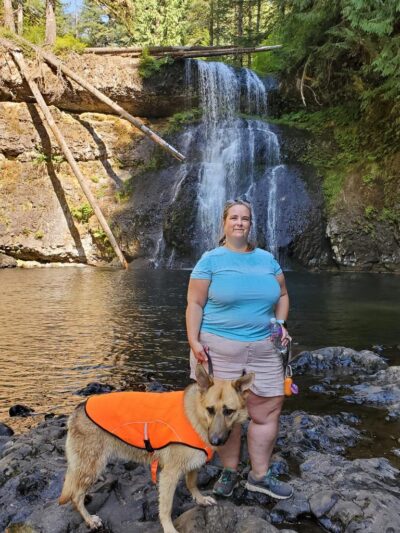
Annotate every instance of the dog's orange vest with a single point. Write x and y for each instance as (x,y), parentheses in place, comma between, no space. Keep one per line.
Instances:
(146,420)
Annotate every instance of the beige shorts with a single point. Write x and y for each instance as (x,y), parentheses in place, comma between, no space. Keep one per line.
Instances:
(230,358)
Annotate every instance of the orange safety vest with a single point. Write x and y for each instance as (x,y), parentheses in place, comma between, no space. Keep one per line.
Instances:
(146,420)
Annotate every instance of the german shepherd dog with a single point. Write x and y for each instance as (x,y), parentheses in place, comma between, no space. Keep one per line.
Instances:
(212,406)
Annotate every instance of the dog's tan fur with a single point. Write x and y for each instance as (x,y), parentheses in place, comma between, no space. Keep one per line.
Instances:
(89,448)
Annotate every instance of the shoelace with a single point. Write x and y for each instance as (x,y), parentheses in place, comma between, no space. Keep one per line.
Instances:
(272,480)
(226,476)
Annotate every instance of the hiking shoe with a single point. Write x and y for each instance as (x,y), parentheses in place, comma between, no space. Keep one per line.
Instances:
(270,485)
(226,483)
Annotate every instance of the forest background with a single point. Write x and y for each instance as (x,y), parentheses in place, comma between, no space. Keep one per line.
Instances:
(339,68)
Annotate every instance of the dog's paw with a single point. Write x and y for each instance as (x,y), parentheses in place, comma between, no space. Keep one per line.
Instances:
(94,522)
(206,500)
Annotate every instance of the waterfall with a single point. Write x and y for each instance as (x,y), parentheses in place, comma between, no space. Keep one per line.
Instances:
(231,153)
(237,151)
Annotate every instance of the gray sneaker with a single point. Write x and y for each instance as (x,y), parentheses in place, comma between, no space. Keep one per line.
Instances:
(270,485)
(226,483)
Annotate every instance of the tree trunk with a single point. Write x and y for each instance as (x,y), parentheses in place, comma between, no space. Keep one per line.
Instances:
(9,23)
(258,19)
(51,26)
(20,17)
(211,22)
(250,31)
(239,26)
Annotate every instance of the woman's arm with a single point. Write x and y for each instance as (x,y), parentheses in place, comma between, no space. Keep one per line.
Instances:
(196,298)
(282,306)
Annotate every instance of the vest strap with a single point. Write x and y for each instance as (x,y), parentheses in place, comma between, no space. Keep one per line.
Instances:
(153,470)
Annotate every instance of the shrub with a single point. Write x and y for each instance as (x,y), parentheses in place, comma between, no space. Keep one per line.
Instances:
(68,43)
(82,213)
(149,65)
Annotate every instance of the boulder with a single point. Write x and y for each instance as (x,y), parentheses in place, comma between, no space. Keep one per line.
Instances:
(7,261)
(338,360)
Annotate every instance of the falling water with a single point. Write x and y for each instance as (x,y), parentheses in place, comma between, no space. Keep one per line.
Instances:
(232,153)
(237,151)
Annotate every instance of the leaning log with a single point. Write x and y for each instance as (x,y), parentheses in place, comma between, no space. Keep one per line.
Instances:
(55,62)
(19,59)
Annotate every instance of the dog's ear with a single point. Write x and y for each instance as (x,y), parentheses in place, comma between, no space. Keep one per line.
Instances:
(244,382)
(204,380)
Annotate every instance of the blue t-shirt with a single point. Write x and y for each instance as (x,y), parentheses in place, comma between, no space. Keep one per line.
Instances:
(242,293)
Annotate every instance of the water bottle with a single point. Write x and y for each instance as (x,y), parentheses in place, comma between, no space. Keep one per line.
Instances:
(276,335)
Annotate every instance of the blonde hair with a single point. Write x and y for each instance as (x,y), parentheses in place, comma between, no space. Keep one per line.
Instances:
(227,206)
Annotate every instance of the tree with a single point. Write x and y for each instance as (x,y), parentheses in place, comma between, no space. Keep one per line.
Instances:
(51,25)
(20,17)
(8,15)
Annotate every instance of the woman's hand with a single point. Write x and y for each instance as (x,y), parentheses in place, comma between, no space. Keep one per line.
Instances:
(285,338)
(199,351)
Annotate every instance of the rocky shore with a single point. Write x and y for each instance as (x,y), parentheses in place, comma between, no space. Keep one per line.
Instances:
(332,492)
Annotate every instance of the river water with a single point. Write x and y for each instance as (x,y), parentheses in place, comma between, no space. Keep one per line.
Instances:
(62,328)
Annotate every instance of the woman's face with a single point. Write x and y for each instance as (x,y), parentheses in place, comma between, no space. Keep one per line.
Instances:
(237,223)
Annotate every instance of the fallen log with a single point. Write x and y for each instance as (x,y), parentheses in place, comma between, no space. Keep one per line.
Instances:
(19,59)
(150,50)
(214,53)
(176,52)
(55,62)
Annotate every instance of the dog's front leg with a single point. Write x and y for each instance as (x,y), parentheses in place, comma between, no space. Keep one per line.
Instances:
(169,478)
(191,482)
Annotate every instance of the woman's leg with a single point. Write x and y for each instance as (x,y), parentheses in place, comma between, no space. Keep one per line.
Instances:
(263,430)
(229,452)
(261,436)
(229,455)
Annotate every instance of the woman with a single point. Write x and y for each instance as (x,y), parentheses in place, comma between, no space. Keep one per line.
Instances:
(234,291)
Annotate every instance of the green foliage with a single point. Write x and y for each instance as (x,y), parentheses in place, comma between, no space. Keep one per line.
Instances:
(101,191)
(34,34)
(69,43)
(82,213)
(39,158)
(183,118)
(369,211)
(101,240)
(149,65)
(122,195)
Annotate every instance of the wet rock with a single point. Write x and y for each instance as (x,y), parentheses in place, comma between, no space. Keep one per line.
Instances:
(301,433)
(155,386)
(337,493)
(359,495)
(20,410)
(7,262)
(5,431)
(381,390)
(95,388)
(290,510)
(224,517)
(338,359)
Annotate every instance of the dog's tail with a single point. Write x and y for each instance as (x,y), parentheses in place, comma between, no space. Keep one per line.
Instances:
(68,489)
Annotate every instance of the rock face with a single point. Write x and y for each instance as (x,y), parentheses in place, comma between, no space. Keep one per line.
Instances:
(115,76)
(44,215)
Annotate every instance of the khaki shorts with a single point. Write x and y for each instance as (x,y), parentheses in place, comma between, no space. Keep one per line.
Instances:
(230,358)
